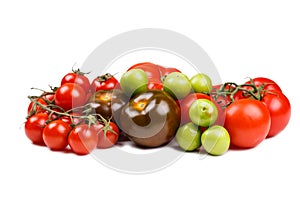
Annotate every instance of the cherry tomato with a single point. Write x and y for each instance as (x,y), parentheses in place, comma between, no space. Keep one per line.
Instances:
(186,103)
(78,78)
(71,120)
(134,82)
(201,83)
(248,122)
(83,139)
(177,85)
(203,112)
(55,135)
(268,83)
(108,137)
(34,127)
(102,102)
(34,108)
(280,111)
(105,82)
(69,96)
(188,137)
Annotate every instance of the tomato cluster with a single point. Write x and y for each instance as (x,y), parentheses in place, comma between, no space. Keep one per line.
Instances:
(151,105)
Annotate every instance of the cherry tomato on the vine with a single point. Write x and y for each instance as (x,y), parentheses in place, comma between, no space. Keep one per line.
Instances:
(78,78)
(83,139)
(34,127)
(104,82)
(70,95)
(55,134)
(34,108)
(108,136)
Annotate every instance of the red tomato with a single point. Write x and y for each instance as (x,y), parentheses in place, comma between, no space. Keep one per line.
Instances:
(247,122)
(83,139)
(78,78)
(269,84)
(187,102)
(71,120)
(107,138)
(104,82)
(280,111)
(69,96)
(55,135)
(155,73)
(34,127)
(34,108)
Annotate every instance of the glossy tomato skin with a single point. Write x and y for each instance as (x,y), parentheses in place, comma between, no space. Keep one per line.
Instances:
(69,96)
(34,127)
(150,119)
(102,100)
(55,135)
(83,139)
(104,82)
(78,79)
(268,83)
(280,111)
(248,123)
(186,103)
(34,108)
(109,138)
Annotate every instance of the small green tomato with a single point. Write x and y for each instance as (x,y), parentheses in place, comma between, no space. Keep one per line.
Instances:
(134,81)
(188,137)
(215,140)
(201,83)
(177,85)
(203,112)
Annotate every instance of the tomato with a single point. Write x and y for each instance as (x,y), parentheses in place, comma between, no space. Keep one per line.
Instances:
(78,78)
(74,119)
(34,127)
(177,85)
(280,111)
(108,136)
(102,103)
(187,102)
(268,83)
(55,135)
(188,137)
(201,83)
(155,73)
(150,119)
(104,82)
(203,112)
(134,82)
(215,140)
(83,139)
(69,96)
(34,108)
(248,122)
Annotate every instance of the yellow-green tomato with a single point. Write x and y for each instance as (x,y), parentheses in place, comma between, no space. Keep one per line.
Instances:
(177,85)
(215,140)
(203,112)
(188,137)
(133,82)
(201,83)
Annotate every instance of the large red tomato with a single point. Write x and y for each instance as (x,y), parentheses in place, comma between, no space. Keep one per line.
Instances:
(248,122)
(280,111)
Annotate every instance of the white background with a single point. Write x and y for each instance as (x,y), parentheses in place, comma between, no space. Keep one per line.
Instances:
(40,42)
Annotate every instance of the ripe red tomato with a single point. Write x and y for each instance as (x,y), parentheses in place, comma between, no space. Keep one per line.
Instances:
(55,135)
(280,111)
(71,120)
(70,95)
(34,127)
(78,78)
(83,139)
(104,82)
(268,83)
(34,108)
(248,122)
(187,102)
(109,137)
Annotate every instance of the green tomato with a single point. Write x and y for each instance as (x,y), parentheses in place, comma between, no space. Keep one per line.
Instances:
(188,137)
(177,85)
(201,83)
(215,140)
(203,112)
(134,82)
